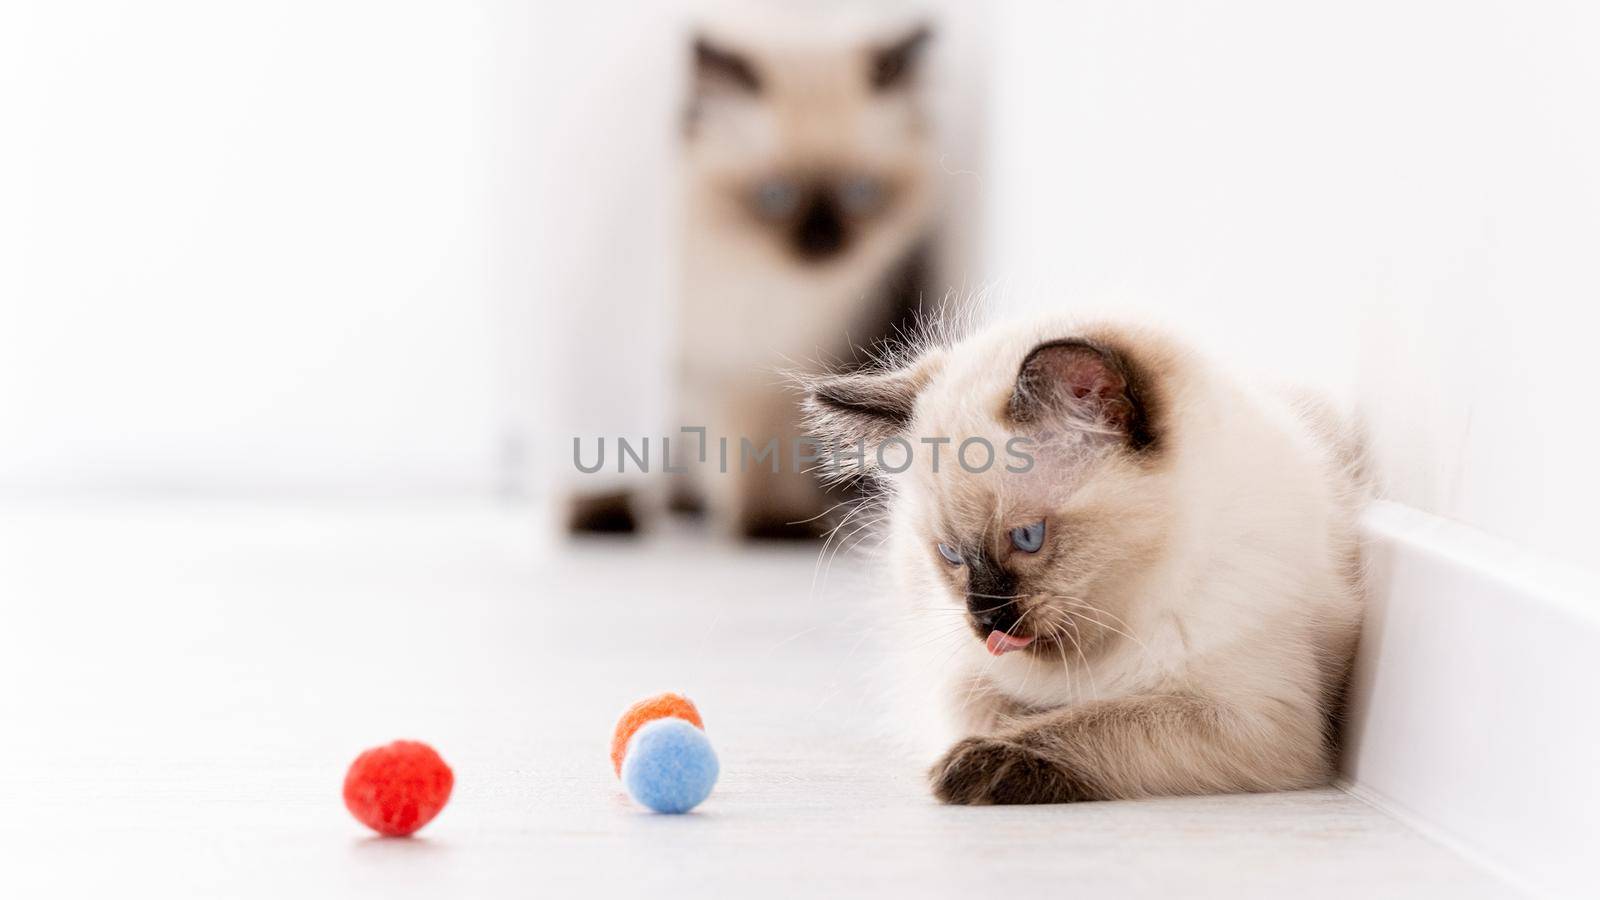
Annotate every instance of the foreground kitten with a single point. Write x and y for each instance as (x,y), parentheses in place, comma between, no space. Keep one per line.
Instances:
(1164,602)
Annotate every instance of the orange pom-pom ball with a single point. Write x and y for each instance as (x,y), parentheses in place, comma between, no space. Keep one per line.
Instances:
(660,706)
(397,788)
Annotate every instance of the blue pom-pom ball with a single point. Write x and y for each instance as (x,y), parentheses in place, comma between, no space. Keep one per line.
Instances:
(670,766)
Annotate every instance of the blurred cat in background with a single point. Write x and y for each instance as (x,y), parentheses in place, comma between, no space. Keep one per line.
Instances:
(809,214)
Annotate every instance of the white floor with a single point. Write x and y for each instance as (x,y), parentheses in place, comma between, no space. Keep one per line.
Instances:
(183,686)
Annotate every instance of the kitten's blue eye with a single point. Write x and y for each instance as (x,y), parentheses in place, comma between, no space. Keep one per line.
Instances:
(950,555)
(777,198)
(861,196)
(1028,538)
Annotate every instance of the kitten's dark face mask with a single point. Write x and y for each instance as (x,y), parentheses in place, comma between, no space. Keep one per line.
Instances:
(818,218)
(998,575)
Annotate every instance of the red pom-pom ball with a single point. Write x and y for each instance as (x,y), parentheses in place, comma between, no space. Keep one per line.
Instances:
(398,788)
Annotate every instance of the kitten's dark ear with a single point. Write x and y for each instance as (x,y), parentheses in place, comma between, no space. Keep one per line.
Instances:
(1085,384)
(717,67)
(874,405)
(871,406)
(896,65)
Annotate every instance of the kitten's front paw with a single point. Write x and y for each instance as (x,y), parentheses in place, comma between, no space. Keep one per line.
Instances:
(980,771)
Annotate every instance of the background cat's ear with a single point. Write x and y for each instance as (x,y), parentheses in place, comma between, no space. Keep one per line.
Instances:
(1083,384)
(720,68)
(897,64)
(871,406)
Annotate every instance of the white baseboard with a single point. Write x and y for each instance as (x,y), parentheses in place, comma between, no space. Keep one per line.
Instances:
(1474,712)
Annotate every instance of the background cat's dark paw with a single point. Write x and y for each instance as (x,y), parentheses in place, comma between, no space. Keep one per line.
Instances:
(779,526)
(683,501)
(980,771)
(602,514)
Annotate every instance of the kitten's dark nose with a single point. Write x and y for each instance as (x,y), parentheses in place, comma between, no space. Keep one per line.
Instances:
(991,597)
(821,232)
(990,614)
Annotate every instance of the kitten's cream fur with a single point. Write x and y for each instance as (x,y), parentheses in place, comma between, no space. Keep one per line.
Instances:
(1196,604)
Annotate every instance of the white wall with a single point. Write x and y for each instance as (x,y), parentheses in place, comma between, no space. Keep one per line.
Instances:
(244,247)
(1397,201)
(607,100)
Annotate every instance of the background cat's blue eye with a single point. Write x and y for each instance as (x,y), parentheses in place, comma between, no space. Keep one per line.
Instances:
(777,198)
(1028,538)
(950,555)
(861,196)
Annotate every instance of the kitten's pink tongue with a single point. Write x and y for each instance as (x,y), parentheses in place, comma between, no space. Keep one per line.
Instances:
(1000,643)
